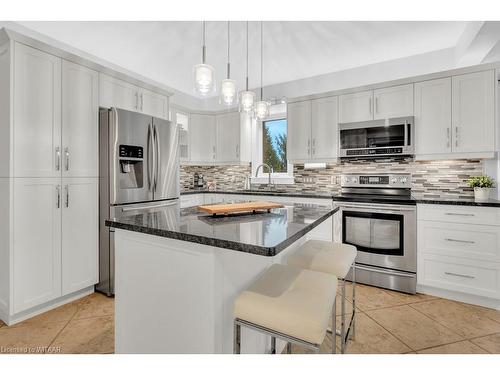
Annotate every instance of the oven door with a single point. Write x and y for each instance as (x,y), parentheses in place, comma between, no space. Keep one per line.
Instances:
(383,234)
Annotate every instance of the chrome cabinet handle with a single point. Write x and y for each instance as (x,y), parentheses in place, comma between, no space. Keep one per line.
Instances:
(448,137)
(459,275)
(58,158)
(456,136)
(309,146)
(58,196)
(237,151)
(66,190)
(455,214)
(370,106)
(376,105)
(66,154)
(461,241)
(136,100)
(142,101)
(213,152)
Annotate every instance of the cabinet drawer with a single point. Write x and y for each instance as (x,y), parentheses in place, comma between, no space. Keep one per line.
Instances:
(459,214)
(466,276)
(479,242)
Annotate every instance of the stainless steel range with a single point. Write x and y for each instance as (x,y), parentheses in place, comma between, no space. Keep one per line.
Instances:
(378,216)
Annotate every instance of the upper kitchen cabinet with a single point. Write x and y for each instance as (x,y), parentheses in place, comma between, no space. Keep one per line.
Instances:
(312,130)
(356,107)
(37,113)
(433,117)
(228,137)
(388,102)
(117,93)
(395,101)
(324,129)
(473,112)
(202,139)
(80,109)
(299,131)
(454,117)
(181,119)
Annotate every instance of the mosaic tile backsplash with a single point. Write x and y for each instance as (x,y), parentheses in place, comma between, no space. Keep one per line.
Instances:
(431,179)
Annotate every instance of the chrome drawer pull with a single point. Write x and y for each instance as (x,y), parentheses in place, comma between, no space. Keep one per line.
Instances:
(454,214)
(459,275)
(462,241)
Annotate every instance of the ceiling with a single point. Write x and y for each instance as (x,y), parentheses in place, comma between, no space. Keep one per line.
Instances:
(166,51)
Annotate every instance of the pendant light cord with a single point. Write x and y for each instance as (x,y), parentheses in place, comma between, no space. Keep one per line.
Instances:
(261,62)
(247,59)
(228,52)
(203,49)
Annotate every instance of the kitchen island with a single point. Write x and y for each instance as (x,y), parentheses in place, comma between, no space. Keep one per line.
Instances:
(178,272)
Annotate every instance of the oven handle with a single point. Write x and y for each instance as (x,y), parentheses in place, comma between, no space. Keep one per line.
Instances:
(386,209)
(393,273)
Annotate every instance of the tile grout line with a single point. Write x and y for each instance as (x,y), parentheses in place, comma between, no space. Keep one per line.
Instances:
(63,328)
(390,334)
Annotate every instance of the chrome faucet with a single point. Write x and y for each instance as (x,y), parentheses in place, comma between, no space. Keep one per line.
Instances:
(270,170)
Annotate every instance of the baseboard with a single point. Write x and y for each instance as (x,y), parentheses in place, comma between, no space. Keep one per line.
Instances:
(460,297)
(23,315)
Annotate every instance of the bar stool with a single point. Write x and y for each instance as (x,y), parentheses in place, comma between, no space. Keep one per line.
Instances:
(288,303)
(334,259)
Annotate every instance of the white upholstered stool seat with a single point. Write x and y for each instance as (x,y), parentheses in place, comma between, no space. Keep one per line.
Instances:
(322,256)
(288,301)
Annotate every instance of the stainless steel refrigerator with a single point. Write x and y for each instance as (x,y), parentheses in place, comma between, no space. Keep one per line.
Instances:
(139,170)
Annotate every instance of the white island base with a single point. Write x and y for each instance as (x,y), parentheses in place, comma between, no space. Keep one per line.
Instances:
(175,296)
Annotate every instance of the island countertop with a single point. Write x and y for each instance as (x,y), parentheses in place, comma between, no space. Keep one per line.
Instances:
(264,234)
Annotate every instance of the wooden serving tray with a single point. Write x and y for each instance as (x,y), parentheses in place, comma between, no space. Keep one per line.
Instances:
(232,208)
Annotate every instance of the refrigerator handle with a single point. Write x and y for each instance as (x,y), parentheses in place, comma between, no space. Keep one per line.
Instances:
(157,156)
(148,159)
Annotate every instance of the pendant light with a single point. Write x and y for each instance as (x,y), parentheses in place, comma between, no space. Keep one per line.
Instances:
(247,98)
(204,74)
(262,106)
(228,94)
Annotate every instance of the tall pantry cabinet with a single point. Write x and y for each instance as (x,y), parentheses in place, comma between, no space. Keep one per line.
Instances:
(48,180)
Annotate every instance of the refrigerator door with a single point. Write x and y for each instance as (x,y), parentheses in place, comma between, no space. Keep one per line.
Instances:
(131,157)
(166,174)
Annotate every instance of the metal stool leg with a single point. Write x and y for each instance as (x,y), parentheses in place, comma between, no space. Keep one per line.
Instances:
(273,345)
(237,339)
(342,320)
(353,328)
(334,326)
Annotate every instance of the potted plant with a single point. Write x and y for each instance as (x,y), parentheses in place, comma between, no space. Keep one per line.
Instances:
(482,186)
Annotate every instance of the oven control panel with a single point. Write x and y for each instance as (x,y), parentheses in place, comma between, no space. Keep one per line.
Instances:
(402,180)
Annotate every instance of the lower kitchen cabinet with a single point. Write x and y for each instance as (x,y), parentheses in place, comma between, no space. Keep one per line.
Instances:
(80,223)
(54,240)
(458,251)
(36,242)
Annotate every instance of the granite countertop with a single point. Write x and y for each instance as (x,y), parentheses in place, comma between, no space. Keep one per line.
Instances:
(458,201)
(264,234)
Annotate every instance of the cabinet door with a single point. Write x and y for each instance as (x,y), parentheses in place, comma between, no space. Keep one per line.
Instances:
(228,137)
(473,112)
(37,113)
(116,93)
(433,116)
(356,107)
(299,131)
(324,128)
(80,225)
(153,104)
(202,138)
(181,119)
(37,241)
(80,110)
(396,101)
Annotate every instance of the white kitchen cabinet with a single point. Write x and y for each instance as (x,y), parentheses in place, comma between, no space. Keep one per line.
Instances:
(80,110)
(37,113)
(181,119)
(356,107)
(228,137)
(153,104)
(395,101)
(433,116)
(324,128)
(473,112)
(202,138)
(80,226)
(37,241)
(299,131)
(114,92)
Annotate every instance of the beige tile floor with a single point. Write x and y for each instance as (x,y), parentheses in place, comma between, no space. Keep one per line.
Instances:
(387,322)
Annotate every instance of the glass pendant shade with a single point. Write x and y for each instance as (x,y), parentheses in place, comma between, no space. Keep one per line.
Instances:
(228,95)
(247,100)
(262,109)
(204,79)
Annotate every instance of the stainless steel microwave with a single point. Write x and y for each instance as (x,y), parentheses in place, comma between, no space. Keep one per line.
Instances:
(389,137)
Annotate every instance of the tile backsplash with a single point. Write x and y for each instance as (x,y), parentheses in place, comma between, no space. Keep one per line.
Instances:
(440,178)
